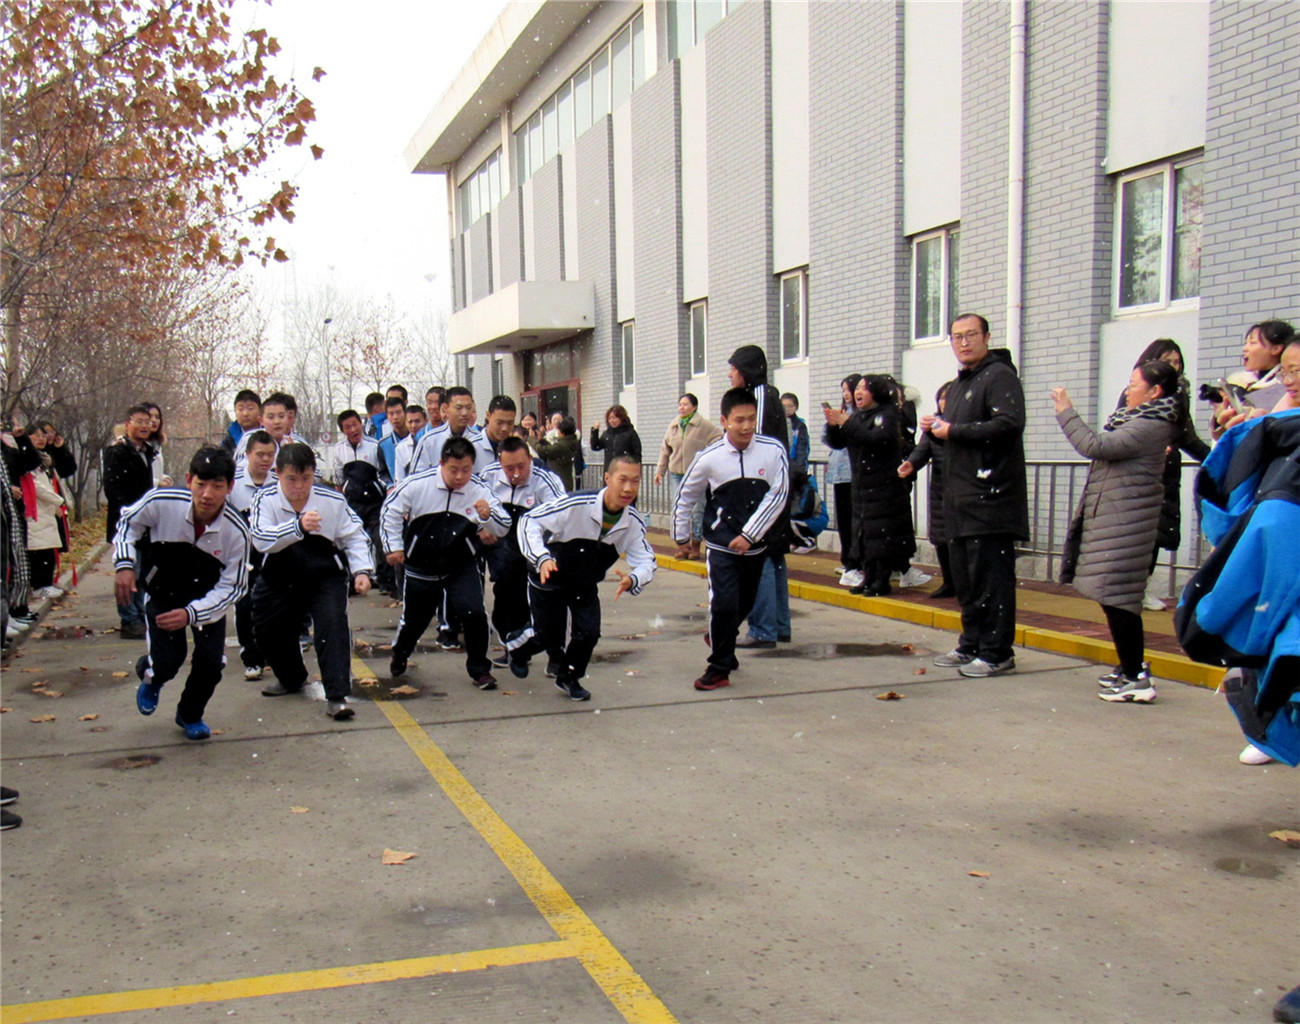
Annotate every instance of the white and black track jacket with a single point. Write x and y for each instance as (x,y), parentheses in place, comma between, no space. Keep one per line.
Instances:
(428,453)
(204,576)
(542,486)
(436,526)
(368,451)
(241,446)
(746,492)
(568,531)
(243,489)
(293,556)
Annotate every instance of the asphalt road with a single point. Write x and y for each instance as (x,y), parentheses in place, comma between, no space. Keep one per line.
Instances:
(789,849)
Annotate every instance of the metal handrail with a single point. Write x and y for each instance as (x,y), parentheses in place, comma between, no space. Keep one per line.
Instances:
(1054,489)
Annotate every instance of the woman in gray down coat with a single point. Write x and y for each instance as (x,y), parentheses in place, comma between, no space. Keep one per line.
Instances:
(1108,551)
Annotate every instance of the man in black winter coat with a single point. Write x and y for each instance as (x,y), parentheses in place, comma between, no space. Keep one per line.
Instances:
(127,467)
(985,503)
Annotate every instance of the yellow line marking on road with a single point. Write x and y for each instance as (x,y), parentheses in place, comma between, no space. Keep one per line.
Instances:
(286,984)
(625,988)
(579,938)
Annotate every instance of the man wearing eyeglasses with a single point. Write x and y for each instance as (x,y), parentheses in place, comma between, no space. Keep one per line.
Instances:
(985,499)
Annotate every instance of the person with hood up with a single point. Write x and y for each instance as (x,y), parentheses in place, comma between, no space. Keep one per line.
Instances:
(985,499)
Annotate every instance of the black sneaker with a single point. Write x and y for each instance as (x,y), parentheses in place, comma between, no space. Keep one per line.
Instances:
(501,661)
(573,688)
(487,681)
(7,796)
(448,640)
(553,669)
(9,820)
(397,665)
(132,631)
(519,666)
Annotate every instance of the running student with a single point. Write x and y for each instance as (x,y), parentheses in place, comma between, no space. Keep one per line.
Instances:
(192,568)
(570,545)
(744,478)
(430,522)
(521,487)
(312,542)
(253,473)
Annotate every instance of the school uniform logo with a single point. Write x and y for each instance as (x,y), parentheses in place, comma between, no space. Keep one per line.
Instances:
(762,472)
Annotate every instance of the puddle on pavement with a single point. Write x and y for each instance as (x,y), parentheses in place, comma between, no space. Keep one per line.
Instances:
(1248,868)
(125,764)
(824,652)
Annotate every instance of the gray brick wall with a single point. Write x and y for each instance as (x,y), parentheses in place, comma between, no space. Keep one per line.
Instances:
(480,270)
(859,262)
(548,223)
(507,220)
(662,359)
(742,290)
(1250,270)
(984,161)
(594,152)
(1068,213)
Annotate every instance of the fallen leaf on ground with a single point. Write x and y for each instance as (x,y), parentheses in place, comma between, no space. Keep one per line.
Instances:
(891,695)
(28,668)
(4,709)
(218,732)
(507,693)
(1287,835)
(632,636)
(298,810)
(907,648)
(406,690)
(99,728)
(395,857)
(43,718)
(979,874)
(393,604)
(107,657)
(86,718)
(105,632)
(40,684)
(119,675)
(50,693)
(633,672)
(918,671)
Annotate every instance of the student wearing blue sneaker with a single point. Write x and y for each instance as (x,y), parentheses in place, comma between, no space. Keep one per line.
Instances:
(193,556)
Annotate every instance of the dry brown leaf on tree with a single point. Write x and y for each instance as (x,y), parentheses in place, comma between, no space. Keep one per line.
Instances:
(395,857)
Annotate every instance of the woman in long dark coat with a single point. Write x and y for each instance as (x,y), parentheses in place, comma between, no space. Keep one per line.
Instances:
(929,450)
(882,514)
(620,437)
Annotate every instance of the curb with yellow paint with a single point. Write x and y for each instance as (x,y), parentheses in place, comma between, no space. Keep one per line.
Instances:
(1165,666)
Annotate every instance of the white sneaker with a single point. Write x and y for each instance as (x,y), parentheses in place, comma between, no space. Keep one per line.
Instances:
(49,592)
(253,672)
(840,570)
(12,632)
(17,626)
(852,578)
(1253,755)
(1152,603)
(914,577)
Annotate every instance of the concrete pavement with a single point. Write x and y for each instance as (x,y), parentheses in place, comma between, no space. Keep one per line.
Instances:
(790,848)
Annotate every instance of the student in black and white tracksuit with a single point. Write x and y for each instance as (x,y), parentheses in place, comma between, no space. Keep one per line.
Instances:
(363,477)
(458,415)
(312,543)
(193,552)
(745,476)
(520,487)
(431,523)
(570,545)
(251,475)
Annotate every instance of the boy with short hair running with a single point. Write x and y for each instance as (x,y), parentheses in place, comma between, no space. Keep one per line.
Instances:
(744,477)
(193,552)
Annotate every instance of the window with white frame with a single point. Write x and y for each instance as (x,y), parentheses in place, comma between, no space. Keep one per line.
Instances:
(936,266)
(615,71)
(1158,244)
(629,354)
(498,375)
(481,191)
(794,316)
(689,21)
(699,329)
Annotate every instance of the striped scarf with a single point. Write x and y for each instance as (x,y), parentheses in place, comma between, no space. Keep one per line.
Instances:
(1163,408)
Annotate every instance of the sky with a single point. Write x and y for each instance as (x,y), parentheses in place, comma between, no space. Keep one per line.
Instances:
(364,223)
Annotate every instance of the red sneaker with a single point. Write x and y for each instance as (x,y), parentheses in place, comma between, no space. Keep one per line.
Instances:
(711,681)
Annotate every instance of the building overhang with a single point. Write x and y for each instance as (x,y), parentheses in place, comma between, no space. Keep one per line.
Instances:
(524,315)
(519,42)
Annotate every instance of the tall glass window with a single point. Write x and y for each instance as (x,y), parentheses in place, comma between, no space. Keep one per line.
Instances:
(935,291)
(793,316)
(564,112)
(620,51)
(629,354)
(600,85)
(699,327)
(582,101)
(1158,249)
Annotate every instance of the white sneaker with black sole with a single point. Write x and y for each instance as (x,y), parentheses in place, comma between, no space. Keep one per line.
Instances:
(1130,691)
(953,659)
(852,578)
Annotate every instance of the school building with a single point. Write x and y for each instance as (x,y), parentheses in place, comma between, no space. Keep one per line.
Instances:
(636,189)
